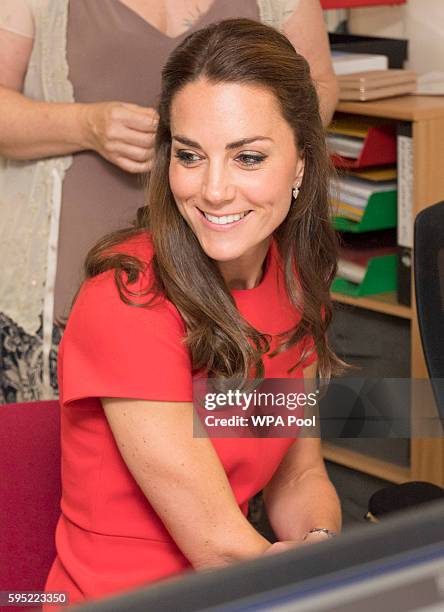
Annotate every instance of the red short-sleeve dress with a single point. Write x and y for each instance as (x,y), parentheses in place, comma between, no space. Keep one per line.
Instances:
(109,537)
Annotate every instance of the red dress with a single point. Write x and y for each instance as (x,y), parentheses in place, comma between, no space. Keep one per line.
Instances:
(108,537)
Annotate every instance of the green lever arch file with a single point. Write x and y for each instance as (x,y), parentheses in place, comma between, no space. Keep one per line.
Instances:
(381,276)
(379,213)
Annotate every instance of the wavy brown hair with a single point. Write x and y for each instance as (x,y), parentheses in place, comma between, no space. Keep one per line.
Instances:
(220,341)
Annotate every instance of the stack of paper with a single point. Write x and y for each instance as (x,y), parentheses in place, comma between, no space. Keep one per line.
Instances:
(347,63)
(430,84)
(351,193)
(347,146)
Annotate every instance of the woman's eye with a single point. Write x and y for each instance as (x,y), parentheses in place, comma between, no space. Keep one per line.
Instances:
(251,159)
(187,157)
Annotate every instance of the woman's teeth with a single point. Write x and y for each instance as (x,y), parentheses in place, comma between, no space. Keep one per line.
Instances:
(226,219)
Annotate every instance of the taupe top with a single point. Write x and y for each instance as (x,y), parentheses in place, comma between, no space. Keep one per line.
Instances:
(113,54)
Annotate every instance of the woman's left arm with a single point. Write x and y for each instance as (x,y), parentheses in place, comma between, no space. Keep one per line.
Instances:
(305,28)
(300,496)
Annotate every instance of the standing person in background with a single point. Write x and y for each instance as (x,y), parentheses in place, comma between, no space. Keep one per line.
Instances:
(79,84)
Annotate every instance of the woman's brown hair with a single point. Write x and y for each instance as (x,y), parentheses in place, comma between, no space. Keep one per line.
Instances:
(220,341)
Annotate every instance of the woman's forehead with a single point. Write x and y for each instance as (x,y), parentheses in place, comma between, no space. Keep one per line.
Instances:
(227,109)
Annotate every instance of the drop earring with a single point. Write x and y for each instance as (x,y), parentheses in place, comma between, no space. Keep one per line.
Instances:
(295,192)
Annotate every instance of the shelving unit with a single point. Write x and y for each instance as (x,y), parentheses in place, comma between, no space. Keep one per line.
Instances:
(383,302)
(427,117)
(364,463)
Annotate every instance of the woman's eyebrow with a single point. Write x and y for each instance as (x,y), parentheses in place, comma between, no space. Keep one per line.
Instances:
(232,145)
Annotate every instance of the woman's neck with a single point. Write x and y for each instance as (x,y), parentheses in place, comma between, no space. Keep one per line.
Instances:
(245,272)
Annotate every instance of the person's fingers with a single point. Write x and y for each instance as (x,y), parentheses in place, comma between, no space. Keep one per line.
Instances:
(146,110)
(131,166)
(131,148)
(136,138)
(138,154)
(279,547)
(141,119)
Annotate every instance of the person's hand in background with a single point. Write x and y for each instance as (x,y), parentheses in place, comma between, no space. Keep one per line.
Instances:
(122,133)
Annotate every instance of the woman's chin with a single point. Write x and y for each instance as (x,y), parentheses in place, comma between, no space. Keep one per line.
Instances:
(220,252)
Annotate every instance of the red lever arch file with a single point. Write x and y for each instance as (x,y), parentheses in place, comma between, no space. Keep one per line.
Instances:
(379,149)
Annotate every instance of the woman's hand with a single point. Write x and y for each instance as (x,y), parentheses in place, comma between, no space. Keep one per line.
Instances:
(310,538)
(122,133)
(279,547)
(316,536)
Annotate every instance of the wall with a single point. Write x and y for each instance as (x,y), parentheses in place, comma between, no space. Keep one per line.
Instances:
(420,21)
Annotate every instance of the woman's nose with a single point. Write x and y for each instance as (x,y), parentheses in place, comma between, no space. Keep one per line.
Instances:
(217,186)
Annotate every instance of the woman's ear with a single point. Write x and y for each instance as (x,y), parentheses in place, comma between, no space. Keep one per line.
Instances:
(299,174)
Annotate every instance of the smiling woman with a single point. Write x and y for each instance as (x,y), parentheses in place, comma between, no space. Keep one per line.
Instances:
(226,274)
(214,106)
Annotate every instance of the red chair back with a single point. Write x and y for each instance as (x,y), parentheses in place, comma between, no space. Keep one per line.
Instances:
(30,492)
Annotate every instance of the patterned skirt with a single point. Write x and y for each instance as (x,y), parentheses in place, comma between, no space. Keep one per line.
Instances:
(21,363)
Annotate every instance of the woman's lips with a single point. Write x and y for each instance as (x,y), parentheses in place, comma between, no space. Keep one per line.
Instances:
(222,226)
